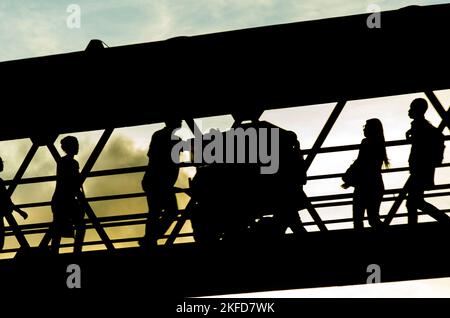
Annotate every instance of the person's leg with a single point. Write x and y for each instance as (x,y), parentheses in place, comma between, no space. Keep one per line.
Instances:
(286,202)
(2,233)
(144,241)
(358,210)
(373,210)
(151,226)
(56,226)
(56,239)
(289,217)
(80,232)
(295,223)
(413,201)
(168,212)
(147,222)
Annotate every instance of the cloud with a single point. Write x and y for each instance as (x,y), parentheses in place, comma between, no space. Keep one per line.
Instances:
(121,151)
(27,32)
(29,29)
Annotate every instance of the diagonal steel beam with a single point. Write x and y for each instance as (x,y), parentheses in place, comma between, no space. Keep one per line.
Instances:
(313,212)
(445,116)
(312,154)
(181,220)
(96,153)
(324,133)
(16,230)
(98,227)
(54,152)
(23,167)
(443,124)
(84,173)
(193,127)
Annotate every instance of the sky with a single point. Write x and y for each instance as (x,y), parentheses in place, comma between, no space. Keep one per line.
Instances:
(36,28)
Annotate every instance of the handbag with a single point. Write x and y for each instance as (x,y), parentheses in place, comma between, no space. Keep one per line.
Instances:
(350,176)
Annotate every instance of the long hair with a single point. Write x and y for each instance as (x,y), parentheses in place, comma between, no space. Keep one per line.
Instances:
(374,131)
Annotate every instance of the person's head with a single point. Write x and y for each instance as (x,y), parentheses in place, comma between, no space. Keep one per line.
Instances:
(1,164)
(373,131)
(418,108)
(173,123)
(70,145)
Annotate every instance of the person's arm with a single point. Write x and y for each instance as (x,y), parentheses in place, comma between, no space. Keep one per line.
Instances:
(81,195)
(77,183)
(408,135)
(294,157)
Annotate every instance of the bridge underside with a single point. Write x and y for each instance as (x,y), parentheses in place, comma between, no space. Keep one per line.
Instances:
(315,260)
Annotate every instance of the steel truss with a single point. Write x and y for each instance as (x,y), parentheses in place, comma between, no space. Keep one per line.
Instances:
(396,196)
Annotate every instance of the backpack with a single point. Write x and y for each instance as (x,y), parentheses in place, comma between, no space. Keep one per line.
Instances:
(436,146)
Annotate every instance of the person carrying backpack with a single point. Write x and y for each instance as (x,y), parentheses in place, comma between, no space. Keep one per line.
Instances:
(427,149)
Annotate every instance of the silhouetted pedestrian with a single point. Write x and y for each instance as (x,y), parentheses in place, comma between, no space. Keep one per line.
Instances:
(68,198)
(281,190)
(427,146)
(291,177)
(158,182)
(365,176)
